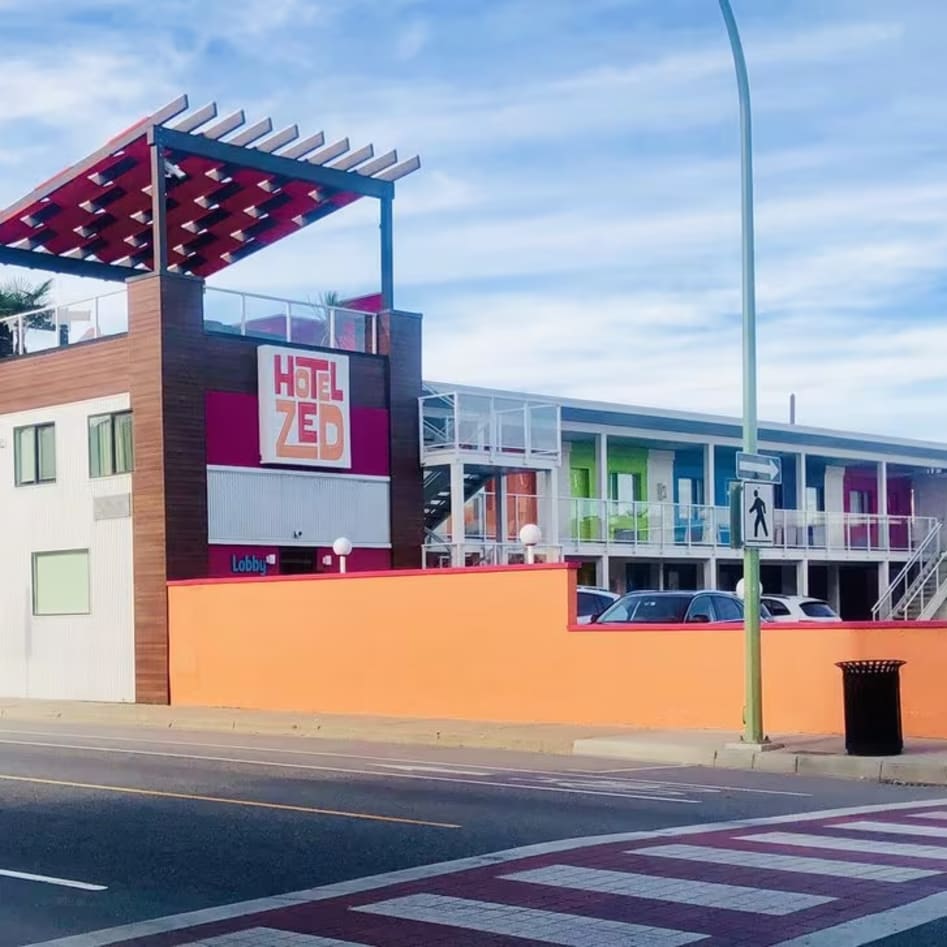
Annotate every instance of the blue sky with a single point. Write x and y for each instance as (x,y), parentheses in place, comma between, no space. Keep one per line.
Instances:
(575,226)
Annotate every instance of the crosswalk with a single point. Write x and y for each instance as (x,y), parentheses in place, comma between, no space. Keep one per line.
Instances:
(843,879)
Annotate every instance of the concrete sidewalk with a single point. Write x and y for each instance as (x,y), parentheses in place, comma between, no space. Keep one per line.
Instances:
(923,761)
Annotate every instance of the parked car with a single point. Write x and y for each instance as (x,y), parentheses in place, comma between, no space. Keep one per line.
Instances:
(592,601)
(676,607)
(799,608)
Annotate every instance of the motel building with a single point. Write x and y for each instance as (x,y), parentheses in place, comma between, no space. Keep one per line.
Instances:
(638,499)
(171,429)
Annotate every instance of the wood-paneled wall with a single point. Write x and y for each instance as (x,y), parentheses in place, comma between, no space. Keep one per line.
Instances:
(400,339)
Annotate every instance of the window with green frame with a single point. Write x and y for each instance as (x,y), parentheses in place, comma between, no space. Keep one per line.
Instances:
(34,454)
(61,582)
(111,447)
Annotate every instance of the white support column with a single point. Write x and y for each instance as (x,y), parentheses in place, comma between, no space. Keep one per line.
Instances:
(603,572)
(884,531)
(550,512)
(602,464)
(710,574)
(457,524)
(835,590)
(710,489)
(802,577)
(884,578)
(502,509)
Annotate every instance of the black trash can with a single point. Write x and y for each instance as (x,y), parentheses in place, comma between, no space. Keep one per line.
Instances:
(872,707)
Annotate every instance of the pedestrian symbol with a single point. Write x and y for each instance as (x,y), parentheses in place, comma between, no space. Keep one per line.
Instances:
(758,514)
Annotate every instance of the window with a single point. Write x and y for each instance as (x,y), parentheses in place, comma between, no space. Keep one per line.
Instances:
(111,450)
(34,450)
(728,609)
(701,609)
(61,582)
(814,499)
(646,608)
(624,487)
(859,501)
(776,607)
(818,610)
(592,604)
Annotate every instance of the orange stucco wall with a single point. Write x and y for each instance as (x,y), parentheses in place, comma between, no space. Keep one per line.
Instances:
(497,645)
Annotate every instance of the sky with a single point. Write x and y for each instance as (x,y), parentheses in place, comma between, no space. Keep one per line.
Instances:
(575,226)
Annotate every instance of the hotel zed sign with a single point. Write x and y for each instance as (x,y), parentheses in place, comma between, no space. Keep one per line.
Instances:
(304,408)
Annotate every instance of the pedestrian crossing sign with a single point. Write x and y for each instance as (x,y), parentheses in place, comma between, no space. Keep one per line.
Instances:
(758,502)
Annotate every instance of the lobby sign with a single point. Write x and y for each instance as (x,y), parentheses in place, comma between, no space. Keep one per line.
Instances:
(304,408)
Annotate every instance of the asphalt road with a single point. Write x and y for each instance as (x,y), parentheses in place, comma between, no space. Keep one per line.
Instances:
(125,825)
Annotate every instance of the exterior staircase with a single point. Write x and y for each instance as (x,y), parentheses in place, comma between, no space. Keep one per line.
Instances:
(437,493)
(919,591)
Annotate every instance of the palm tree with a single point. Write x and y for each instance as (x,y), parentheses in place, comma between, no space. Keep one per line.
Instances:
(17,297)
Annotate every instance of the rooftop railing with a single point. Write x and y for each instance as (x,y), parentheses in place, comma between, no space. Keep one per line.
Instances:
(231,312)
(514,430)
(50,327)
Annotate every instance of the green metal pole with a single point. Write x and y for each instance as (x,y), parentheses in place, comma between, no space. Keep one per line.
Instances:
(753,712)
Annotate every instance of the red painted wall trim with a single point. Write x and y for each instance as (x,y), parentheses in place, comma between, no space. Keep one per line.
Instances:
(386,574)
(768,626)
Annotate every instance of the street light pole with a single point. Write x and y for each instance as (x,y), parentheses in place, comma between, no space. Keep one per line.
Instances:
(753,711)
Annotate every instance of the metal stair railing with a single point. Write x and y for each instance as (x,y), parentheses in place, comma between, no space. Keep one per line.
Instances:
(922,565)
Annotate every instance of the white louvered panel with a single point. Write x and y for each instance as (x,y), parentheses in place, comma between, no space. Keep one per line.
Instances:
(268,507)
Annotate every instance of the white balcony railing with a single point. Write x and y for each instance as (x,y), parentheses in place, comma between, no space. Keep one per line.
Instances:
(661,525)
(38,330)
(519,432)
(289,320)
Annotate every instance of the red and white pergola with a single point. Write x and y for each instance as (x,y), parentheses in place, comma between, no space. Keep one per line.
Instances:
(186,192)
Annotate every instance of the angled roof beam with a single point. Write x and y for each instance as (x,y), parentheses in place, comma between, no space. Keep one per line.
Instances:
(120,141)
(194,121)
(66,265)
(330,151)
(252,133)
(356,157)
(229,153)
(379,164)
(400,170)
(225,125)
(275,142)
(304,147)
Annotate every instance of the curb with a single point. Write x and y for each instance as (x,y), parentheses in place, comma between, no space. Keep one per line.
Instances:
(401,731)
(880,769)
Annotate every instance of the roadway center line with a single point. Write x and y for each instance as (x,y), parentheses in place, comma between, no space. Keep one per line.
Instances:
(310,767)
(223,800)
(48,880)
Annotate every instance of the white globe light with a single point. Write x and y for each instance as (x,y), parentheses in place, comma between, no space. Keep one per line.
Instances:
(342,547)
(530,535)
(741,589)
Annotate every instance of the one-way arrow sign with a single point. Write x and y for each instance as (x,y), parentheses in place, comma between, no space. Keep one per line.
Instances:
(759,468)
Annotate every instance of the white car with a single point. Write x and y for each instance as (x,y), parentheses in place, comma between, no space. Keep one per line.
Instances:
(799,608)
(593,602)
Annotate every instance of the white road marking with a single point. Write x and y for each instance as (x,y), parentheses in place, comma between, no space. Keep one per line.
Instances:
(937,814)
(269,937)
(548,927)
(705,894)
(310,767)
(873,927)
(415,768)
(362,757)
(225,912)
(893,828)
(48,880)
(909,850)
(792,863)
